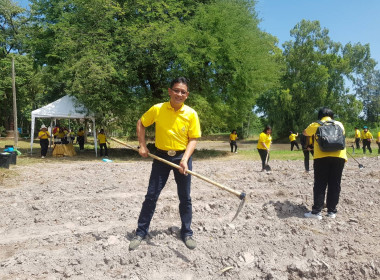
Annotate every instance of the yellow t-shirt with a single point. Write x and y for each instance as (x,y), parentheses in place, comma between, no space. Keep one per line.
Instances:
(264,138)
(312,129)
(357,133)
(173,128)
(233,136)
(293,137)
(61,134)
(367,135)
(102,138)
(80,133)
(43,134)
(378,136)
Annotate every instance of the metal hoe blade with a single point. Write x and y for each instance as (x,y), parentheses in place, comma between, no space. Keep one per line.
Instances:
(241,205)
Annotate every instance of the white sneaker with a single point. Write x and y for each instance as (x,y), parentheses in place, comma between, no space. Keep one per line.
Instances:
(331,215)
(42,157)
(310,215)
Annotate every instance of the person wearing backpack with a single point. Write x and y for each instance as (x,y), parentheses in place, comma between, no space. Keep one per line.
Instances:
(367,138)
(329,159)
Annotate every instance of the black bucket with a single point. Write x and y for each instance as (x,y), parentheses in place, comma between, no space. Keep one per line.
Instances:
(5,160)
(13,158)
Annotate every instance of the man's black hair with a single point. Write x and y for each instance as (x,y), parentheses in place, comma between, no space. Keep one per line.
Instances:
(325,112)
(180,80)
(267,128)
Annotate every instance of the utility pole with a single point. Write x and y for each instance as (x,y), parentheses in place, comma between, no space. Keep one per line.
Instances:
(14,103)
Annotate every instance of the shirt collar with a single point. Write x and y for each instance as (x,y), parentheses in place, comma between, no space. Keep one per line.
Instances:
(325,119)
(171,108)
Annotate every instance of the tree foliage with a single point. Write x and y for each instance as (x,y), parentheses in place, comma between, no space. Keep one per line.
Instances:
(316,69)
(118,57)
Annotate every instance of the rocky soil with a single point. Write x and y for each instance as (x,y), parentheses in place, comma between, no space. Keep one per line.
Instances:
(75,221)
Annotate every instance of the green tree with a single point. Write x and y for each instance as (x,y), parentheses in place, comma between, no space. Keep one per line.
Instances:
(118,57)
(316,68)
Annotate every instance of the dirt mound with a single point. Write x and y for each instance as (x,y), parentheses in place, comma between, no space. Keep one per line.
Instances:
(76,221)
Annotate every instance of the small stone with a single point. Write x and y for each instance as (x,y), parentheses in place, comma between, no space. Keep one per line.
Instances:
(248,257)
(352,220)
(112,240)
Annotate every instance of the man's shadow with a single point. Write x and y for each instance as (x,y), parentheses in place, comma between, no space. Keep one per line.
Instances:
(173,232)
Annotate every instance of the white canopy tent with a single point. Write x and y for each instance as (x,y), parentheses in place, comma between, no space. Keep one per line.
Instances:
(67,107)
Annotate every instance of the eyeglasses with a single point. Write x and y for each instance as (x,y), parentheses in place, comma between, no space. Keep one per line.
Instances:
(179,91)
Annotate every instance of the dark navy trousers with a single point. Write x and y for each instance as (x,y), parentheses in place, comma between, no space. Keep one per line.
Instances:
(158,177)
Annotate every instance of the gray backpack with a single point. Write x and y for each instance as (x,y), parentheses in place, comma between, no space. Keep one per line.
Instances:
(330,137)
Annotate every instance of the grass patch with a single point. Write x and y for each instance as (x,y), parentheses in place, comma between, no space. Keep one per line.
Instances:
(119,153)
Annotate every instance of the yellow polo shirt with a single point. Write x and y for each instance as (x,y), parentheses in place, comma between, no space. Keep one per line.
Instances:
(292,137)
(378,136)
(173,128)
(80,133)
(264,138)
(44,134)
(367,135)
(312,129)
(233,137)
(357,133)
(102,138)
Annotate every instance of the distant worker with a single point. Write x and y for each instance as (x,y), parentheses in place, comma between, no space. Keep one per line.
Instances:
(293,141)
(378,142)
(233,137)
(80,138)
(307,148)
(357,137)
(329,162)
(367,138)
(44,135)
(103,143)
(263,145)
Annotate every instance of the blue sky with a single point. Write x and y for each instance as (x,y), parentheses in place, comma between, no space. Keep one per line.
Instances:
(355,21)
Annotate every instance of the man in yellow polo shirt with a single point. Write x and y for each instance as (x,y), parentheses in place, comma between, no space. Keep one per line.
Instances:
(367,138)
(328,169)
(177,129)
(44,135)
(378,142)
(293,141)
(263,145)
(357,137)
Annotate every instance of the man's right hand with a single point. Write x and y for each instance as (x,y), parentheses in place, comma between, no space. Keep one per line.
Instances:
(143,151)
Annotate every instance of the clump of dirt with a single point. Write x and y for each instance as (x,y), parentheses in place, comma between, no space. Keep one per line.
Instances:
(76,221)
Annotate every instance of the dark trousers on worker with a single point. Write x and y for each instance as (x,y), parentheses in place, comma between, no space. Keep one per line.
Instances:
(44,143)
(233,144)
(263,155)
(80,140)
(306,154)
(357,142)
(367,144)
(104,145)
(327,173)
(378,151)
(158,177)
(292,144)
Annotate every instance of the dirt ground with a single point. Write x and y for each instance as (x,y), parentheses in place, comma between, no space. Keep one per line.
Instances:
(75,221)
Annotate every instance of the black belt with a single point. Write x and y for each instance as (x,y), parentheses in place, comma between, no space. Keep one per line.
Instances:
(171,153)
